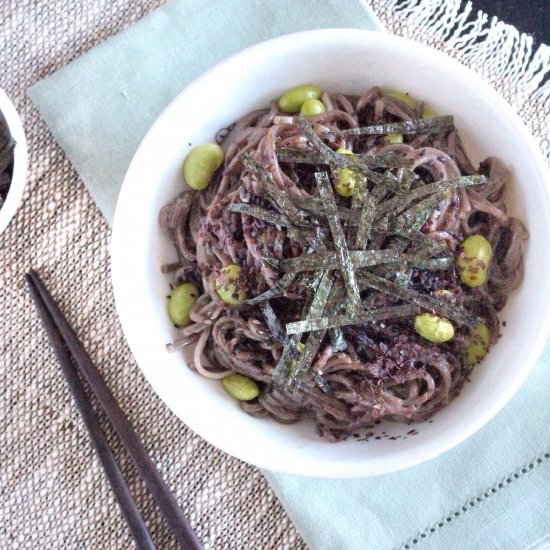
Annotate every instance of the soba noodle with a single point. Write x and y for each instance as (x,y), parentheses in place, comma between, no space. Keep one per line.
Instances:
(384,370)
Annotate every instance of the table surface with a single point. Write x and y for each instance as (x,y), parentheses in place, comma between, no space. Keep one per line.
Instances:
(54,492)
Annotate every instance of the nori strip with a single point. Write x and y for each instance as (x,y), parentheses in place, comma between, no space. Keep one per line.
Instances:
(282,372)
(330,260)
(260,213)
(273,323)
(423,190)
(329,203)
(365,221)
(461,316)
(432,125)
(279,198)
(324,323)
(436,264)
(325,291)
(415,217)
(277,290)
(348,161)
(301,156)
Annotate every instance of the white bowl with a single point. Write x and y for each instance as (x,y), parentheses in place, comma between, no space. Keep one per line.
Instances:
(337,60)
(19,176)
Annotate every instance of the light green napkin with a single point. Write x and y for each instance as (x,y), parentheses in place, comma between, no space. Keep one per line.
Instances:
(491,492)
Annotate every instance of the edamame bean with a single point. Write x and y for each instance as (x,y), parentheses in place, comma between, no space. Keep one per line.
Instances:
(201,163)
(312,107)
(181,300)
(427,112)
(347,179)
(240,387)
(403,97)
(433,328)
(226,285)
(444,294)
(393,138)
(478,345)
(291,101)
(409,101)
(473,260)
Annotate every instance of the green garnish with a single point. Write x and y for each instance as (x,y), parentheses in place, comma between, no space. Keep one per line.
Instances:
(327,196)
(330,260)
(429,189)
(305,156)
(281,375)
(278,197)
(273,323)
(348,161)
(424,301)
(277,290)
(260,213)
(324,323)
(433,125)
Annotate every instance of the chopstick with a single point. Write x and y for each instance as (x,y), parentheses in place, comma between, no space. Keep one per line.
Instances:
(72,356)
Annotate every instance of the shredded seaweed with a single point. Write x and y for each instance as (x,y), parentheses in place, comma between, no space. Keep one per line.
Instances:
(415,217)
(273,323)
(436,264)
(429,189)
(304,156)
(348,161)
(278,197)
(277,290)
(366,218)
(285,371)
(324,323)
(261,214)
(461,316)
(325,190)
(432,125)
(330,260)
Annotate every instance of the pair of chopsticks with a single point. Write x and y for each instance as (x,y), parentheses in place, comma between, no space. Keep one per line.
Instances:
(72,358)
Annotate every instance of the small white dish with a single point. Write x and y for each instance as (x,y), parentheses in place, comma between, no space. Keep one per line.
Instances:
(19,177)
(338,60)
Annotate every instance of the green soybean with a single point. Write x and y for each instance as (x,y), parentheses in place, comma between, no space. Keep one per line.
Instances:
(473,260)
(393,138)
(427,112)
(478,344)
(291,101)
(312,107)
(181,300)
(433,327)
(347,179)
(201,163)
(403,97)
(227,285)
(240,387)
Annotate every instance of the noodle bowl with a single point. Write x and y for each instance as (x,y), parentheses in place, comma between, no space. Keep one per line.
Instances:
(351,61)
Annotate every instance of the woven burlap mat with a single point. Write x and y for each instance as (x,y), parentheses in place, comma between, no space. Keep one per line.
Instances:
(54,494)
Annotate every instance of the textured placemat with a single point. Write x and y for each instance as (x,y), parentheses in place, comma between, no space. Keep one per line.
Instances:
(53,492)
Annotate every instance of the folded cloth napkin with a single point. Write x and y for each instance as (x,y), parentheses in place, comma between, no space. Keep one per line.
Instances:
(492,491)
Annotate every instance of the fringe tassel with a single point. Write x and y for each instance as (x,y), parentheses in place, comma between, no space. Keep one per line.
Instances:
(496,51)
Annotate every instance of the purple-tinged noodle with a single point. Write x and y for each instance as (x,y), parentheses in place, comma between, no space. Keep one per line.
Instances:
(385,371)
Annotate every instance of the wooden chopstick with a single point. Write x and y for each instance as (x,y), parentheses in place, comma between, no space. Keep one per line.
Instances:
(64,340)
